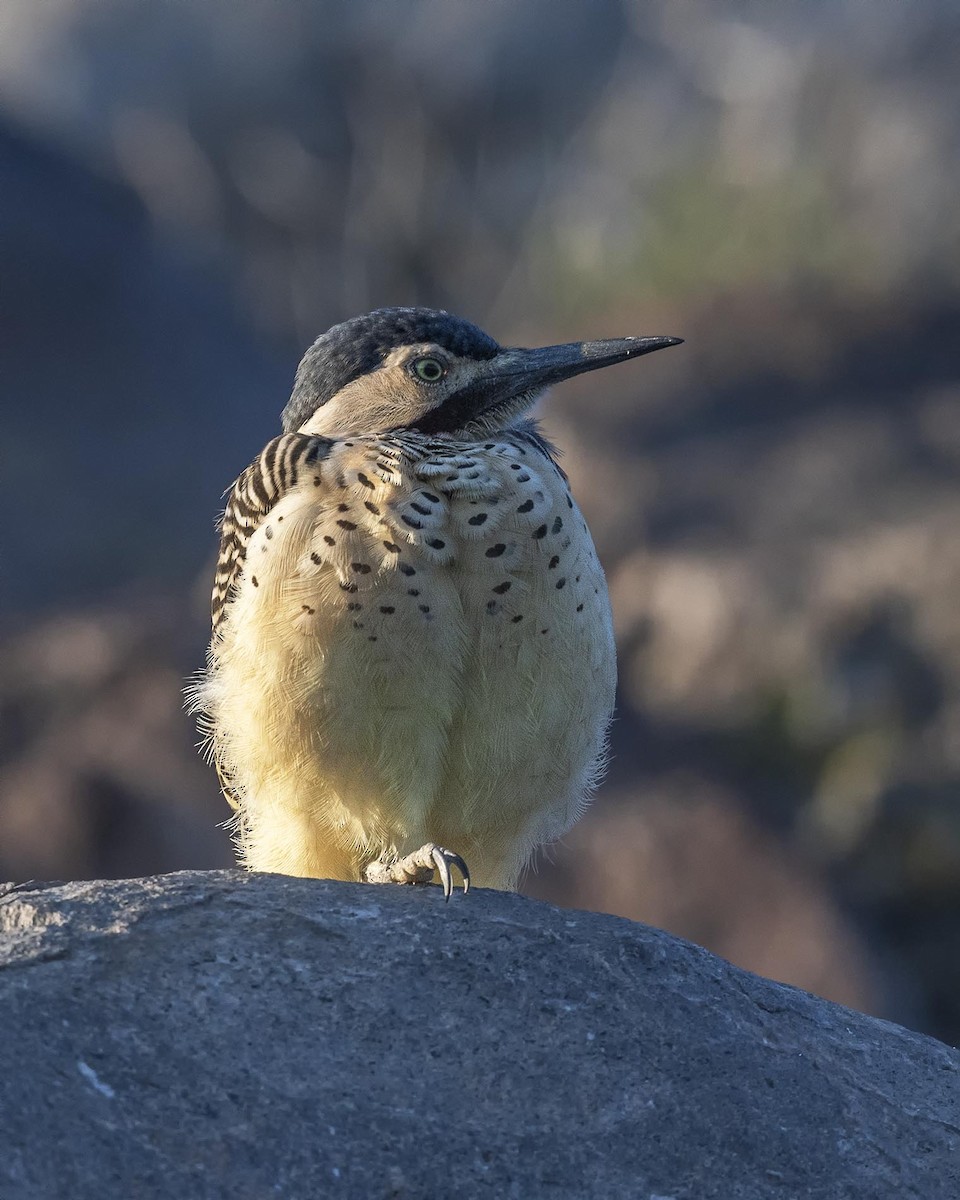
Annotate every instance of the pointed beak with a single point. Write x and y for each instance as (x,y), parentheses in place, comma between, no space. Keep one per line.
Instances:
(517,371)
(513,378)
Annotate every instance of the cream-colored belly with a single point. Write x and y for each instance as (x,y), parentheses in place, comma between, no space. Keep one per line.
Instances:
(419,651)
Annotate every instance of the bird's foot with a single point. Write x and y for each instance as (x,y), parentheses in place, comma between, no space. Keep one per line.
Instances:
(419,867)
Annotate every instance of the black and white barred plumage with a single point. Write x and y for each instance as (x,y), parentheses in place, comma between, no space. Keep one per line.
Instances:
(279,467)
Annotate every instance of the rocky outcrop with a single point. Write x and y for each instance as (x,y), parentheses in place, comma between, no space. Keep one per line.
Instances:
(223,1034)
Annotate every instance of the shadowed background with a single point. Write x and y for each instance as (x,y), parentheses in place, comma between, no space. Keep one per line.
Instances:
(189,193)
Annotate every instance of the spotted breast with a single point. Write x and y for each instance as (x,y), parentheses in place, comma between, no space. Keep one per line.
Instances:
(418,647)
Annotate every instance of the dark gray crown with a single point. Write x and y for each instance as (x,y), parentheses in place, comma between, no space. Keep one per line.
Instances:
(359,346)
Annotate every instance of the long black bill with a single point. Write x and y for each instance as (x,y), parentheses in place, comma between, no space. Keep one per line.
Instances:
(516,375)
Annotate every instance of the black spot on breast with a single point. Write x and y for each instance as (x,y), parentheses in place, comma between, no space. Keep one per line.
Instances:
(525,507)
(501,588)
(496,551)
(268,533)
(436,543)
(493,607)
(406,569)
(431,497)
(354,606)
(316,481)
(479,519)
(561,583)
(307,609)
(540,532)
(254,581)
(553,561)
(392,547)
(371,507)
(518,617)
(523,479)
(490,446)
(329,540)
(579,608)
(349,587)
(413,591)
(387,608)
(411,521)
(364,480)
(346,524)
(516,466)
(360,568)
(557,525)
(424,608)
(372,637)
(423,509)
(343,508)
(316,559)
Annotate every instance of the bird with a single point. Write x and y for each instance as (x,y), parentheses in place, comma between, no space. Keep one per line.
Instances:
(412,667)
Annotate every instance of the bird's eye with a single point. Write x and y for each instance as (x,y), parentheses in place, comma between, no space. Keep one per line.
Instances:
(430,370)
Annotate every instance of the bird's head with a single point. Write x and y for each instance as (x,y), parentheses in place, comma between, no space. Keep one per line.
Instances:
(420,369)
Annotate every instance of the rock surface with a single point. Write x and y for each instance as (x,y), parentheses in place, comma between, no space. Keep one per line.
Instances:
(222,1034)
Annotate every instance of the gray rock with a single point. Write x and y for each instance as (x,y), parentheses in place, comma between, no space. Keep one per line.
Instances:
(222,1034)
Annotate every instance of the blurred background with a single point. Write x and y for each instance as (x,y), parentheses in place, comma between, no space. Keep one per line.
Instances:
(191,192)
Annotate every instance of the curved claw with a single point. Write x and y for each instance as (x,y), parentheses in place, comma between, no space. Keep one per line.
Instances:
(419,867)
(443,860)
(440,862)
(464,870)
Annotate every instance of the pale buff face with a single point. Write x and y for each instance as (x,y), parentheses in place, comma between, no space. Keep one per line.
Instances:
(395,397)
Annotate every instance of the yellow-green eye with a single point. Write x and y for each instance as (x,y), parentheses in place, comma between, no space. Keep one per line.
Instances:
(430,370)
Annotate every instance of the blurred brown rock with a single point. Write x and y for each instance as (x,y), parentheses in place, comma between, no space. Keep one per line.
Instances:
(99,776)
